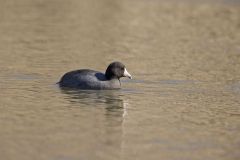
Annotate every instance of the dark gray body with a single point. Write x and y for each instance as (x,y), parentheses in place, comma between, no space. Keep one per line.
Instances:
(88,79)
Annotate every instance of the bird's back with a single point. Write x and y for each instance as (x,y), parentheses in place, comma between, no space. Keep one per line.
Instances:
(87,79)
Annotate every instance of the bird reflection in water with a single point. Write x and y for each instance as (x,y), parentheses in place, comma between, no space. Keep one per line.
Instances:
(112,100)
(107,112)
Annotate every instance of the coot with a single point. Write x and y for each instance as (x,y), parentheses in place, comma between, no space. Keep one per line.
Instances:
(95,80)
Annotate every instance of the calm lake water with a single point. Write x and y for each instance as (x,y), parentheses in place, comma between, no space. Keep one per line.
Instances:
(182,104)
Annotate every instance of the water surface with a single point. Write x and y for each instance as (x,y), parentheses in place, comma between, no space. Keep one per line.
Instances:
(184,100)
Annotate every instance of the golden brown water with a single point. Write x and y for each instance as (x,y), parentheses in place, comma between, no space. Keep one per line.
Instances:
(184,100)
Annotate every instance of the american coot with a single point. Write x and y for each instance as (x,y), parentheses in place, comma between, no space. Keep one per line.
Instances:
(95,80)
